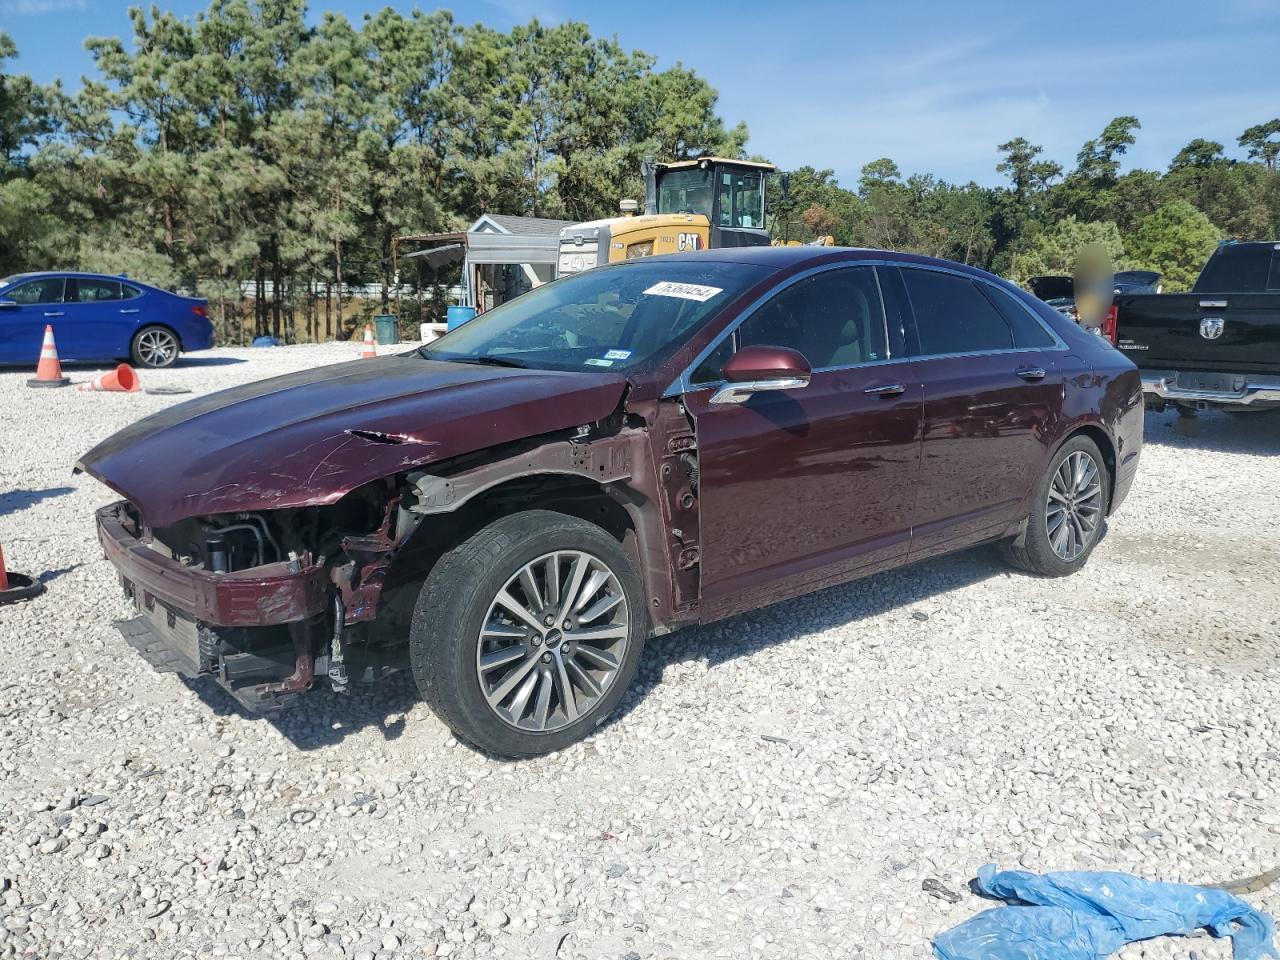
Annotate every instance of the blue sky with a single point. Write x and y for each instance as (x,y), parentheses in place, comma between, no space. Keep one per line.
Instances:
(934,85)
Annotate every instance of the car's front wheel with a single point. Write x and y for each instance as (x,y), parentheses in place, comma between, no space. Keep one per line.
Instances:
(155,347)
(1067,514)
(526,636)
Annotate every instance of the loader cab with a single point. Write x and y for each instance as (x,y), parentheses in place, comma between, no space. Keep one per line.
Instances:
(729,193)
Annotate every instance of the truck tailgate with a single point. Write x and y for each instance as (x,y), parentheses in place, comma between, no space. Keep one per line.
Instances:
(1227,332)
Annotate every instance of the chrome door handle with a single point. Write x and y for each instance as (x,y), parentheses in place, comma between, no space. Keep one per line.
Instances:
(1213,304)
(886,390)
(135,310)
(1030,373)
(54,313)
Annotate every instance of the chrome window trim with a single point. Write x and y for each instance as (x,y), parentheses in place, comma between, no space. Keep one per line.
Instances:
(683,384)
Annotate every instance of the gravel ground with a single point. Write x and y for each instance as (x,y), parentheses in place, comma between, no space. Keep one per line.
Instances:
(778,785)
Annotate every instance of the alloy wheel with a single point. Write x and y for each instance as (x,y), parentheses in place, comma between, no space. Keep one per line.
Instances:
(1074,509)
(553,640)
(157,348)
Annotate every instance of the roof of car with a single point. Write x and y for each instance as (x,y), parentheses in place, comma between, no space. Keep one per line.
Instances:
(785,257)
(36,274)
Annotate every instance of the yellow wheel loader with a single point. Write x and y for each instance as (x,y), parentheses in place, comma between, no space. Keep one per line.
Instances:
(688,205)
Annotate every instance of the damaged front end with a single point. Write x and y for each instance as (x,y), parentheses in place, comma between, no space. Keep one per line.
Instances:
(265,603)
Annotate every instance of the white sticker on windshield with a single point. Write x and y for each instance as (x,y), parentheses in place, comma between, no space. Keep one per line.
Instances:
(595,362)
(617,354)
(685,291)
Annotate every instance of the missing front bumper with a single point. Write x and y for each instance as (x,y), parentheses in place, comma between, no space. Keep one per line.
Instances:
(262,680)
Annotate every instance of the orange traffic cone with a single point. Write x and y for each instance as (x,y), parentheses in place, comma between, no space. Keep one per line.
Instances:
(368,350)
(123,379)
(17,586)
(49,370)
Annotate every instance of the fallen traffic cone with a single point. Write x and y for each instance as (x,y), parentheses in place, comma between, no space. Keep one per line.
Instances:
(17,586)
(123,379)
(368,350)
(48,370)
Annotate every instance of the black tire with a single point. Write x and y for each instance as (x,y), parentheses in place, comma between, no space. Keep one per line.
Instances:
(451,609)
(1033,551)
(155,348)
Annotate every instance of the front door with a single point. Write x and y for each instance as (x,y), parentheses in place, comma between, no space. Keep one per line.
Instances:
(992,396)
(800,489)
(30,305)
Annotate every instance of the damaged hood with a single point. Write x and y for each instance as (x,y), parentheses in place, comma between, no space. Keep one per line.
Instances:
(310,437)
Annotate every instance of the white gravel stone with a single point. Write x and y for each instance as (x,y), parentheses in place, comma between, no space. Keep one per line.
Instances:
(776,785)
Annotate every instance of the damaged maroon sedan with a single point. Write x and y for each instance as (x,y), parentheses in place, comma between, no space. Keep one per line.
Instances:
(511,511)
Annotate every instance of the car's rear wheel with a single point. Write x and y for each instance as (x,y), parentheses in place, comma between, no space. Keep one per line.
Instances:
(526,636)
(155,347)
(1067,516)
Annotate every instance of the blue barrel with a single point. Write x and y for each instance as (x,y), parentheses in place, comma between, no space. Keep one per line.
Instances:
(457,316)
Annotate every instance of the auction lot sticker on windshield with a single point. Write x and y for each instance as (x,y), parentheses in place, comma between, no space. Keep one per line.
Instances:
(685,291)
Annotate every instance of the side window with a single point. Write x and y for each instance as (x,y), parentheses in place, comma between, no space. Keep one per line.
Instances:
(834,318)
(128,292)
(952,315)
(1028,332)
(709,370)
(47,290)
(87,290)
(726,199)
(741,199)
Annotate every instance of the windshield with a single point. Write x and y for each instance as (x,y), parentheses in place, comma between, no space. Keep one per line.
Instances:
(619,318)
(685,191)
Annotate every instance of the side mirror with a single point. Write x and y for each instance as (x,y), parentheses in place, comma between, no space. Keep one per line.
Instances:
(8,304)
(759,369)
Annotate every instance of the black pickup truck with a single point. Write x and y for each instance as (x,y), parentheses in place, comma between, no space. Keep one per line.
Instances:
(1217,346)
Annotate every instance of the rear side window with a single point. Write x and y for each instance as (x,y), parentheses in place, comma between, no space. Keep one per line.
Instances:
(128,292)
(1273,280)
(1028,333)
(46,290)
(86,290)
(952,315)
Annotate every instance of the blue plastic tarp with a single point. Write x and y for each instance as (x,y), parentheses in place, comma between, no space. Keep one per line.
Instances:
(1081,915)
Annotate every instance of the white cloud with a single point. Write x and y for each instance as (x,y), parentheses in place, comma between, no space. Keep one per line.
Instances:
(35,8)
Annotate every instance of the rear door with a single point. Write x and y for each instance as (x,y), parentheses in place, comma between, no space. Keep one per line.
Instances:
(34,303)
(94,308)
(992,394)
(802,488)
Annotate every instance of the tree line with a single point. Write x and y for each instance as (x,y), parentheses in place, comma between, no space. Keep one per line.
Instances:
(1168,220)
(246,146)
(248,149)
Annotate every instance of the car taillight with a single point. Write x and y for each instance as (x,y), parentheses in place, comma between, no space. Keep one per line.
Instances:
(200,311)
(1110,326)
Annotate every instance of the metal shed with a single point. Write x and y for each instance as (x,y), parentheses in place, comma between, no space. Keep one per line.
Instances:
(502,256)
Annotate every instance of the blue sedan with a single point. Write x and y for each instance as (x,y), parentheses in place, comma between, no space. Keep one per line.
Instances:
(98,318)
